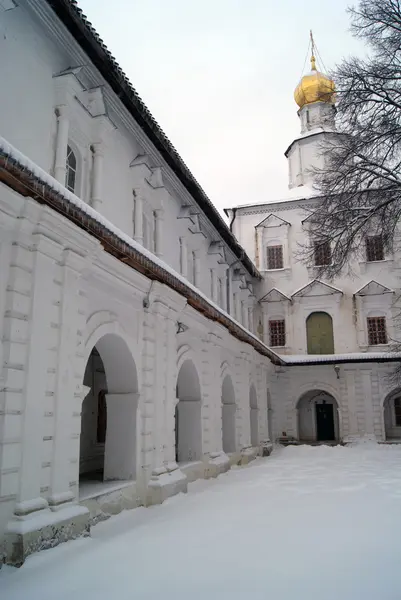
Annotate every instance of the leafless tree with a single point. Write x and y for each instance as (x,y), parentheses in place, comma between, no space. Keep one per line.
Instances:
(360,182)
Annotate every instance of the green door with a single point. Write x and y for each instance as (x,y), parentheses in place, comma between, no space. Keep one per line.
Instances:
(319,333)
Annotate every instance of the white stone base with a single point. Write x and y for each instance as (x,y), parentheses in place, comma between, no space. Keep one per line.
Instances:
(165,482)
(104,504)
(43,529)
(249,454)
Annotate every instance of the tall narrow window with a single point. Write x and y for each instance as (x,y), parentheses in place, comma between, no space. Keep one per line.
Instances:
(377,333)
(277,332)
(322,253)
(275,257)
(374,248)
(71,170)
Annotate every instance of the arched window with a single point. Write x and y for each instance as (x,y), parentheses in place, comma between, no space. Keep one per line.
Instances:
(71,170)
(319,333)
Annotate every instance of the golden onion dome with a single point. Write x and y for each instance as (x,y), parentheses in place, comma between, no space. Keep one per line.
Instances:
(314,87)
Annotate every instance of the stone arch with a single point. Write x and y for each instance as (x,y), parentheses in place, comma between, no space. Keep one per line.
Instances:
(188,413)
(253,410)
(228,406)
(319,333)
(392,415)
(111,377)
(318,416)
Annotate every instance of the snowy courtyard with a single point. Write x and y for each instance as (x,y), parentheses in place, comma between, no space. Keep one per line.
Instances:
(307,523)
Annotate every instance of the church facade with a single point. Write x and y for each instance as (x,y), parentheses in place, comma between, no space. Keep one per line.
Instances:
(144,344)
(337,335)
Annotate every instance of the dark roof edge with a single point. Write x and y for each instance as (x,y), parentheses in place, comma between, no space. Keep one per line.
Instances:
(85,35)
(338,361)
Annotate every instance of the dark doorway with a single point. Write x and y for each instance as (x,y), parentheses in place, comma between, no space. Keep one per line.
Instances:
(325,422)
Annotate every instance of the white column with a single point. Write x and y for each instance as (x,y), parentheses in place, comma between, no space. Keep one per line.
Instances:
(66,384)
(28,497)
(61,144)
(159,219)
(197,268)
(96,199)
(183,257)
(138,225)
(213,290)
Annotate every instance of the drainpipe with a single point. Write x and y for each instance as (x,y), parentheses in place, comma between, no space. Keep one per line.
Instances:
(233,219)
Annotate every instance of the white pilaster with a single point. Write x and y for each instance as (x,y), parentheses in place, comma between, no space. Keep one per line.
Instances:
(61,144)
(96,196)
(213,279)
(65,378)
(36,377)
(138,212)
(183,257)
(159,219)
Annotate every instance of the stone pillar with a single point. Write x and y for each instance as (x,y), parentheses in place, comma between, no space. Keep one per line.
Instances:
(138,225)
(61,144)
(159,219)
(46,251)
(121,436)
(183,257)
(65,380)
(96,196)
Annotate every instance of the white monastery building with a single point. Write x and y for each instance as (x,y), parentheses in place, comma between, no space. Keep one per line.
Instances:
(144,343)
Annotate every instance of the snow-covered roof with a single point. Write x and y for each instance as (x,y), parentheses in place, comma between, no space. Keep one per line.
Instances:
(25,171)
(274,219)
(316,359)
(325,288)
(274,295)
(373,288)
(302,192)
(312,133)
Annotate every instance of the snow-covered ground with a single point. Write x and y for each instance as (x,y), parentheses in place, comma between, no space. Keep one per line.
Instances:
(307,523)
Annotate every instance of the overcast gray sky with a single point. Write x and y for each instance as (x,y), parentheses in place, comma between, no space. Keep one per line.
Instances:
(219,76)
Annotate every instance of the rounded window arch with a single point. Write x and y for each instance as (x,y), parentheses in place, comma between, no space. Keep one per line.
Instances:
(319,333)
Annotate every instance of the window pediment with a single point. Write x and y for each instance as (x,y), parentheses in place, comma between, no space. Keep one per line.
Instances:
(274,295)
(373,288)
(273,221)
(316,288)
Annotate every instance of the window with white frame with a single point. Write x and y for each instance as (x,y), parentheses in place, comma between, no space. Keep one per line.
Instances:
(274,257)
(277,332)
(377,330)
(374,248)
(71,170)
